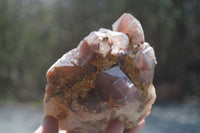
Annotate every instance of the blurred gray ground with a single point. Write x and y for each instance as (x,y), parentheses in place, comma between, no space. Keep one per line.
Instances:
(164,118)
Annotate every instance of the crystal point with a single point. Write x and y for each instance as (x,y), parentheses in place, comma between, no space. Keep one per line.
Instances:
(108,76)
(131,26)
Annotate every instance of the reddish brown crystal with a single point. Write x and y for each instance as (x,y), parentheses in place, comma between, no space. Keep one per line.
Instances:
(131,26)
(108,76)
(114,83)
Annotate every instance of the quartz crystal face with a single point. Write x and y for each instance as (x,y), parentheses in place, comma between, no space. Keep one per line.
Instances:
(107,77)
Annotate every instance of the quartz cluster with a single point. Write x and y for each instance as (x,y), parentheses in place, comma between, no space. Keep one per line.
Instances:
(107,77)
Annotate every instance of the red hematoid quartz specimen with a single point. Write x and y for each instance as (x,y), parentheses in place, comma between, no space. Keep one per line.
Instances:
(107,77)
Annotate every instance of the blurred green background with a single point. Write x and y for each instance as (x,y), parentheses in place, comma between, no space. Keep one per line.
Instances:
(35,33)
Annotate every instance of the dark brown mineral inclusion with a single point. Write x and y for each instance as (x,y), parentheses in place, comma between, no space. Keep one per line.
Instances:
(108,69)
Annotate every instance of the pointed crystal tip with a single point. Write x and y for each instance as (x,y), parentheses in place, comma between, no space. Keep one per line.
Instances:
(131,26)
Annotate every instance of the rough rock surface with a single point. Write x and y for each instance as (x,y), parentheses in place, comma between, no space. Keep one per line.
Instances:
(107,77)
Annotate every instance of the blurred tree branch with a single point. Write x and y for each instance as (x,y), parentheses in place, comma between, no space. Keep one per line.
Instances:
(35,33)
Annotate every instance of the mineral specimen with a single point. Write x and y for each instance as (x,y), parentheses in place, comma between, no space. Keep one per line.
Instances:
(107,77)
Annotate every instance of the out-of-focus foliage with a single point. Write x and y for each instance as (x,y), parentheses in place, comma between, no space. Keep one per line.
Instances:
(35,33)
(26,40)
(172,27)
